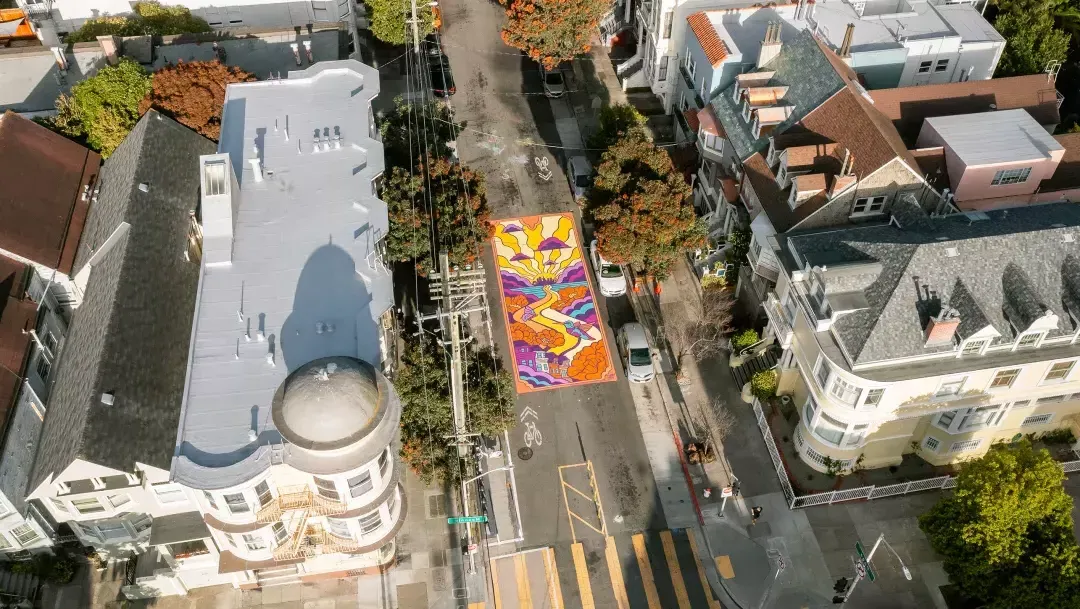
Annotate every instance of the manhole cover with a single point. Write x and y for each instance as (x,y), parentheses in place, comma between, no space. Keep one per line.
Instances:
(525,453)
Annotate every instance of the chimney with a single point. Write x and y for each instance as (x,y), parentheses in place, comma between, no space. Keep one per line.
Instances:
(940,330)
(220,202)
(845,46)
(110,46)
(770,46)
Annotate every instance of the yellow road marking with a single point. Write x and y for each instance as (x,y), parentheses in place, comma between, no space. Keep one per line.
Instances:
(646,572)
(477,606)
(522,572)
(566,504)
(582,570)
(675,570)
(615,569)
(723,565)
(713,603)
(555,588)
(495,585)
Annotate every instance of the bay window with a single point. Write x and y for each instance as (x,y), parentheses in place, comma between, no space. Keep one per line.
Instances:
(873,397)
(971,419)
(829,429)
(845,392)
(822,374)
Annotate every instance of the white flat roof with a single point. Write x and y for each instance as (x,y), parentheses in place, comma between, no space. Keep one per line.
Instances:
(1002,136)
(305,280)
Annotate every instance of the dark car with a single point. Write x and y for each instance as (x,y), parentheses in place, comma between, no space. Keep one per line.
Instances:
(432,46)
(442,79)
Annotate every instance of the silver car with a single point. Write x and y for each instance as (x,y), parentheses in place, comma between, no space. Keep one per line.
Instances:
(554,85)
(580,173)
(637,354)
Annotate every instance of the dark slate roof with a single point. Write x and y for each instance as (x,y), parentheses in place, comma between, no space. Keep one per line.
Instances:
(1009,267)
(130,335)
(177,528)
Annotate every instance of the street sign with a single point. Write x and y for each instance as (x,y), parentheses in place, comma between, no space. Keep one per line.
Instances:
(860,569)
(726,492)
(864,563)
(465,519)
(859,549)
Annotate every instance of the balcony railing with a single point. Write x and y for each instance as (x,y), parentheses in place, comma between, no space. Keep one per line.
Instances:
(298,498)
(39,9)
(784,331)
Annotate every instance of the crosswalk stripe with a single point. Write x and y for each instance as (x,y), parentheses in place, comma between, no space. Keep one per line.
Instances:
(584,587)
(713,603)
(522,573)
(646,572)
(495,585)
(553,578)
(675,570)
(615,569)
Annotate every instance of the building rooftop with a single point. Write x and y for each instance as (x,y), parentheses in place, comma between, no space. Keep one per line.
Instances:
(30,80)
(18,315)
(908,107)
(997,268)
(301,276)
(1067,174)
(42,204)
(129,337)
(988,138)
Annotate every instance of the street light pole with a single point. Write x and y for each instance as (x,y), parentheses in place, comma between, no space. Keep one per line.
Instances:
(497,469)
(869,557)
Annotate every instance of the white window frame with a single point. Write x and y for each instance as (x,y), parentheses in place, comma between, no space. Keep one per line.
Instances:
(845,392)
(746,110)
(823,365)
(879,392)
(931,444)
(210,499)
(965,446)
(939,393)
(979,344)
(661,74)
(237,508)
(999,372)
(86,500)
(703,93)
(365,522)
(871,206)
(942,65)
(322,490)
(1008,177)
(343,532)
(1037,419)
(280,533)
(141,523)
(925,67)
(254,542)
(782,176)
(990,417)
(116,501)
(25,530)
(688,63)
(1027,336)
(1063,378)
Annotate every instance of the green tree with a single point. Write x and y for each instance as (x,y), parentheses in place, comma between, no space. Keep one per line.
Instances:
(642,208)
(616,122)
(428,124)
(389,20)
(149,17)
(1006,531)
(427,415)
(1031,38)
(102,109)
(552,31)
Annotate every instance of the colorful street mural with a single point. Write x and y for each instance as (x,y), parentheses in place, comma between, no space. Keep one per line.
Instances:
(551,316)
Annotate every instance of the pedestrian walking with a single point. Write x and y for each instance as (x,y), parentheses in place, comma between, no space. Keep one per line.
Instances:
(756,513)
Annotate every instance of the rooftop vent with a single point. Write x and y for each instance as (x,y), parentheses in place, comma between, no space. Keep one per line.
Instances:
(108,398)
(144,187)
(952,252)
(1067,238)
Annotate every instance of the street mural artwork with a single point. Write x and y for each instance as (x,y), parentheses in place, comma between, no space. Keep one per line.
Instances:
(551,317)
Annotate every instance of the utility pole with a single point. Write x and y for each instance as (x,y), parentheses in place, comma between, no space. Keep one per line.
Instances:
(415,29)
(460,292)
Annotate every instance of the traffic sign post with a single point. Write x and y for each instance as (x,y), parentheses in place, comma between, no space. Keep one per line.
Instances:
(465,519)
(865,562)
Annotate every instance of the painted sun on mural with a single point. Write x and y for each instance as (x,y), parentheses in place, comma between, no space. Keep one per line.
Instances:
(552,322)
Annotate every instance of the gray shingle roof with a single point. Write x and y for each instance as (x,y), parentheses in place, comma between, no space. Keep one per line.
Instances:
(130,336)
(1005,268)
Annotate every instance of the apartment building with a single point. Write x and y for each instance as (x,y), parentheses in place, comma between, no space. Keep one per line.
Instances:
(289,430)
(934,336)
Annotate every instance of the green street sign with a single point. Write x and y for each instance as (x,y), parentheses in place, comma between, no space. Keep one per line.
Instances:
(859,549)
(465,519)
(862,557)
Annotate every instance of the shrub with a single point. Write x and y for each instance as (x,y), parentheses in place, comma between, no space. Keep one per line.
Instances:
(1058,436)
(712,282)
(763,384)
(147,18)
(744,338)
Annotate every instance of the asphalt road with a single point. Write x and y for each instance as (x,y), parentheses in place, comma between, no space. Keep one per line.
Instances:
(508,122)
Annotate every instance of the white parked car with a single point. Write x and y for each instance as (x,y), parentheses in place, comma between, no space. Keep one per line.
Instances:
(579,172)
(636,352)
(609,277)
(554,86)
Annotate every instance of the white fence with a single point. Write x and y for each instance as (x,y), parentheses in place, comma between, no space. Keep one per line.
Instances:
(863,492)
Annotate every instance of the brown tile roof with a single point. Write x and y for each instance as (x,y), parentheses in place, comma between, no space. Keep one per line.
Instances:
(802,158)
(715,49)
(931,162)
(773,200)
(810,182)
(908,107)
(691,119)
(17,318)
(41,211)
(731,189)
(1067,174)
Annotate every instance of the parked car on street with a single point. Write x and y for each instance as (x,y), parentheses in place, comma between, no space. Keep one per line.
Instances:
(609,277)
(580,174)
(432,46)
(636,352)
(442,79)
(554,85)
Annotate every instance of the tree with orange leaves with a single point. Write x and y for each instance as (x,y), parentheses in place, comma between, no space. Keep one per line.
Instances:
(193,93)
(591,364)
(552,31)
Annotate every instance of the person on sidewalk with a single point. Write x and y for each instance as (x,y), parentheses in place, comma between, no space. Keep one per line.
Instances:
(755,512)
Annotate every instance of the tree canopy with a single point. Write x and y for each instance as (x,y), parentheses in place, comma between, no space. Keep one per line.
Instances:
(1031,38)
(102,109)
(1006,531)
(616,122)
(427,415)
(148,17)
(551,31)
(389,20)
(193,93)
(426,124)
(642,208)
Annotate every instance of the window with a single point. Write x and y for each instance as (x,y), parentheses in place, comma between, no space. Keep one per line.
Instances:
(689,65)
(945,419)
(170,493)
(391,503)
(141,523)
(59,505)
(703,93)
(231,539)
(845,392)
(119,500)
(280,533)
(973,347)
(370,522)
(931,444)
(254,543)
(951,388)
(1029,340)
(830,430)
(924,67)
(360,484)
(384,462)
(1004,378)
(1011,176)
(865,206)
(339,528)
(1038,419)
(959,447)
(781,176)
(48,340)
(327,488)
(856,435)
(1050,399)
(1059,371)
(811,409)
(237,503)
(873,397)
(262,489)
(941,65)
(669,17)
(25,534)
(822,374)
(789,307)
(662,74)
(1021,404)
(4,543)
(978,418)
(43,368)
(210,499)
(89,505)
(112,530)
